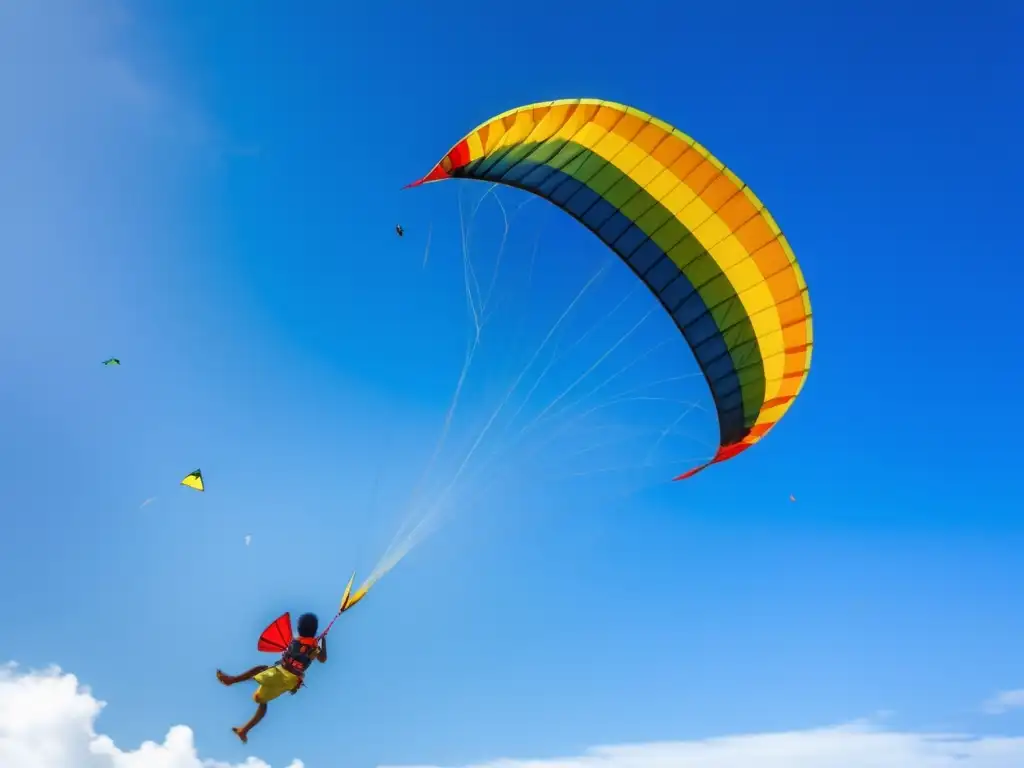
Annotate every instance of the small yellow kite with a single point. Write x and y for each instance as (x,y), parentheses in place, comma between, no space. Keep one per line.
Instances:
(194,480)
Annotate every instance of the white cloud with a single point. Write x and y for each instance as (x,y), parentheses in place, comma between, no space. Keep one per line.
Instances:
(47,721)
(856,745)
(1004,701)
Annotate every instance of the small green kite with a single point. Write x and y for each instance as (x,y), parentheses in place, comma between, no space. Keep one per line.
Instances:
(112,361)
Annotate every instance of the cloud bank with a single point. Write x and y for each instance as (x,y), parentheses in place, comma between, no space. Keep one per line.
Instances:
(47,720)
(855,745)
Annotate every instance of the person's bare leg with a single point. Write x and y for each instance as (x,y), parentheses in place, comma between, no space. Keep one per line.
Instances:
(243,732)
(249,675)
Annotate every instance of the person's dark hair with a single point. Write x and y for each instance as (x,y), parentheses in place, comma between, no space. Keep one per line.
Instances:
(308,625)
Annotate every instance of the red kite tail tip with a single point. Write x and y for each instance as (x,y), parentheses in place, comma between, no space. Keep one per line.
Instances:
(436,174)
(687,475)
(724,453)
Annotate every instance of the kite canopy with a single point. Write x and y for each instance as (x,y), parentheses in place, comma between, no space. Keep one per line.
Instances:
(194,480)
(112,361)
(695,234)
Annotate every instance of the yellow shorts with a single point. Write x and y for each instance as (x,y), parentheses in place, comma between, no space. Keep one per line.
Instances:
(274,682)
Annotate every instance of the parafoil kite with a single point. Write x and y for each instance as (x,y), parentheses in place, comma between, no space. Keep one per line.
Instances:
(695,234)
(111,361)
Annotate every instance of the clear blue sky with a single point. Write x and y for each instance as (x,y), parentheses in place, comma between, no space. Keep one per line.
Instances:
(210,195)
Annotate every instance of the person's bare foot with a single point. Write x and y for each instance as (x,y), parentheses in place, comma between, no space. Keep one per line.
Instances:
(241,734)
(225,679)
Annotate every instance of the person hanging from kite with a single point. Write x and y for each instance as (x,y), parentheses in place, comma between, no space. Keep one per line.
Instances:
(297,655)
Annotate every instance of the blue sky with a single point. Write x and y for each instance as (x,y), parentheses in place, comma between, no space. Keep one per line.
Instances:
(211,195)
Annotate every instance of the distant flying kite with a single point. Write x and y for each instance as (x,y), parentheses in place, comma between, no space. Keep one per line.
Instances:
(194,480)
(111,361)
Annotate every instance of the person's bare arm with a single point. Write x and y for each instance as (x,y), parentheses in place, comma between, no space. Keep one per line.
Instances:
(322,655)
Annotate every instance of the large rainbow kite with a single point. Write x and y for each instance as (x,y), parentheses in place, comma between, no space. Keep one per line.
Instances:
(686,225)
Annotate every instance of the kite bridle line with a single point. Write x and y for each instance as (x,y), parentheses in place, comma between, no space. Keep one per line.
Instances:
(341,609)
(323,634)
